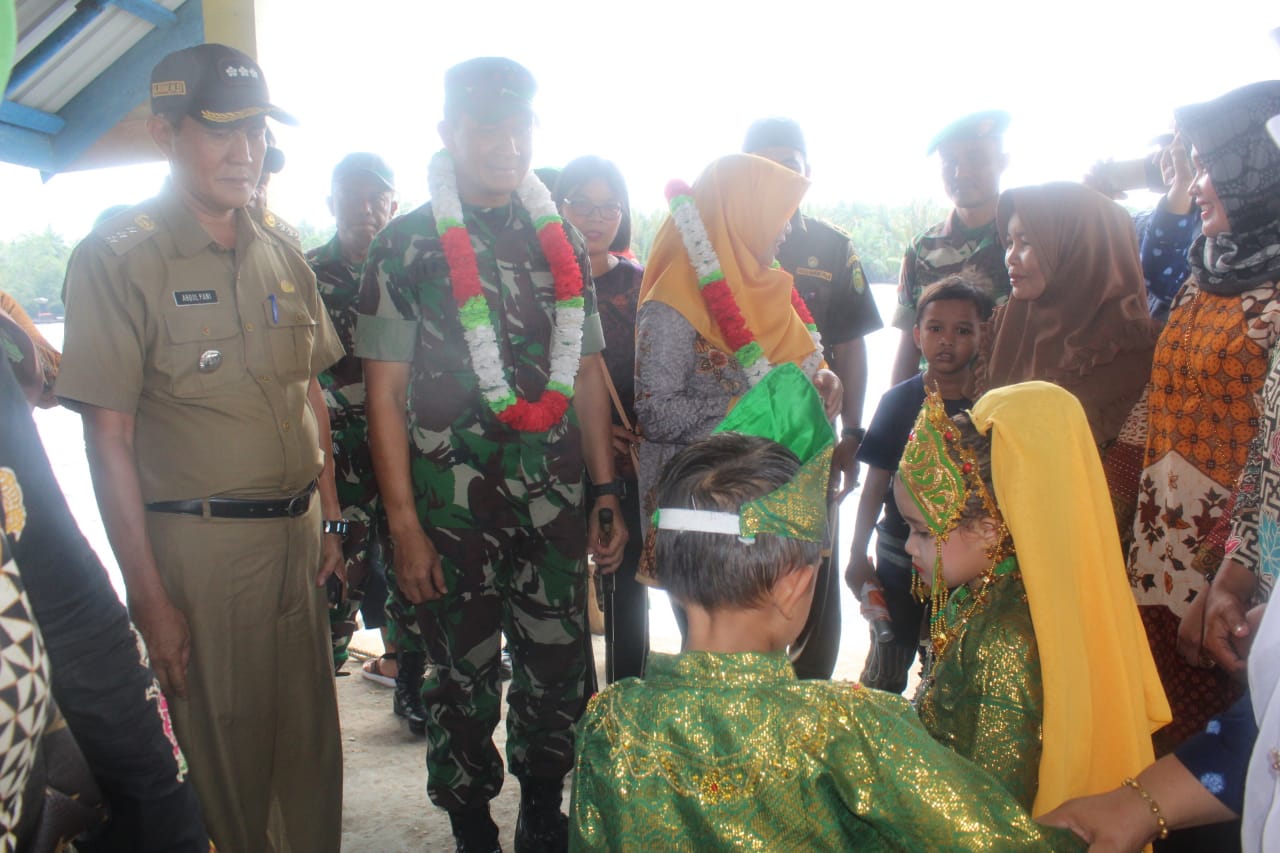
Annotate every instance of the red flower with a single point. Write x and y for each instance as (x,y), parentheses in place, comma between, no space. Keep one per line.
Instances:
(536,417)
(461,258)
(724,309)
(564,265)
(676,188)
(797,302)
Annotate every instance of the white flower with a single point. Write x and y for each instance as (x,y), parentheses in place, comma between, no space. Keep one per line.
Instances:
(482,342)
(706,265)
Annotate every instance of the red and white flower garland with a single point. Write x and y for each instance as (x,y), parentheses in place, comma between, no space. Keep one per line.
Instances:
(474,311)
(719,298)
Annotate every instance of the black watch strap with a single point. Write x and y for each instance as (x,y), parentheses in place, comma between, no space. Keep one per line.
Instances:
(340,527)
(617,488)
(854,432)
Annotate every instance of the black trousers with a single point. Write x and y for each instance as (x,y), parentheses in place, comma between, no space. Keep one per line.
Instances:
(626,602)
(814,653)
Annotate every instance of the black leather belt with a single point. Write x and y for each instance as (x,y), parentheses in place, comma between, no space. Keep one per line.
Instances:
(241,507)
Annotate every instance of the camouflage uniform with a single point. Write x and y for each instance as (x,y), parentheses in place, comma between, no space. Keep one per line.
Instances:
(343,384)
(503,508)
(947,248)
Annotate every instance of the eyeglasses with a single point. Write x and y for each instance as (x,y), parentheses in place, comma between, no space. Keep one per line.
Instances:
(585,209)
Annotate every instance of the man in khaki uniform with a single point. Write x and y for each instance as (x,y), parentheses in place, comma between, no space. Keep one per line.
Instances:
(193,339)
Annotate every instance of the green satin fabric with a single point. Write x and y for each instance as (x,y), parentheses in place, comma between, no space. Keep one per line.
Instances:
(983,697)
(784,407)
(732,752)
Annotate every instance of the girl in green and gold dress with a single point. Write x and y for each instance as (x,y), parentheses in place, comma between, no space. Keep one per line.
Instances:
(1039,668)
(721,747)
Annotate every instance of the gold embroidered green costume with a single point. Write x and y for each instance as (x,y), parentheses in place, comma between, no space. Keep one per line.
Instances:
(983,698)
(1058,640)
(731,751)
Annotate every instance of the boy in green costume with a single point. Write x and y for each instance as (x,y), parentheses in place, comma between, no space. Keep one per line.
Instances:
(721,746)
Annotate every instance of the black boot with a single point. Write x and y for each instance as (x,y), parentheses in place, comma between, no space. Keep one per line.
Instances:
(541,828)
(474,831)
(407,701)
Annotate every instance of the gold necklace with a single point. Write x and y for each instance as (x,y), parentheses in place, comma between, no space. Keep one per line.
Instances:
(945,633)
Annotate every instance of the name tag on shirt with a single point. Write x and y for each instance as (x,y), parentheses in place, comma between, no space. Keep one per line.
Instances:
(182,298)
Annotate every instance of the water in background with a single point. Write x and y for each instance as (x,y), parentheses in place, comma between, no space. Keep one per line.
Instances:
(64,442)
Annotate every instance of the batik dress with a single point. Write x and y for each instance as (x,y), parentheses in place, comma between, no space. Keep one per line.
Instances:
(1203,410)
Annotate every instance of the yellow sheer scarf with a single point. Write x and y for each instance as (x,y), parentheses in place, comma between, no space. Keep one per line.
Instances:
(1102,695)
(745,202)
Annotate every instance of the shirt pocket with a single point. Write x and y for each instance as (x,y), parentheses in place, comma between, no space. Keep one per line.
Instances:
(205,349)
(291,336)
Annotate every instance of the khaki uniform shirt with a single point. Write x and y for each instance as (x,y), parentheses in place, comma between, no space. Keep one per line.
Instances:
(211,350)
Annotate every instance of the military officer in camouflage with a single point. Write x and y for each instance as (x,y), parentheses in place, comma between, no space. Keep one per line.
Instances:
(362,200)
(971,150)
(829,277)
(193,338)
(477,317)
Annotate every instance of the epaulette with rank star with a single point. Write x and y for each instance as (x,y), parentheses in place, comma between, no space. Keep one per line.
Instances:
(127,229)
(281,229)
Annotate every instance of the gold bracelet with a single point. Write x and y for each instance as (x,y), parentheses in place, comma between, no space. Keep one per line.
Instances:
(1163,824)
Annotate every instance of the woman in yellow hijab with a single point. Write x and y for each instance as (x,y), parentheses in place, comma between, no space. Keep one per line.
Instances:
(1039,669)
(715,311)
(715,314)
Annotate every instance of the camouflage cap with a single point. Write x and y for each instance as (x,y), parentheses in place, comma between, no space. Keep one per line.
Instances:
(774,132)
(488,88)
(217,85)
(990,124)
(366,163)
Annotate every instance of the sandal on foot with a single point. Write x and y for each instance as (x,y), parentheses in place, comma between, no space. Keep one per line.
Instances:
(374,670)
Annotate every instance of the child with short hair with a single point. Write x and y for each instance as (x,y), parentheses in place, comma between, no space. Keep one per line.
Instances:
(948,332)
(721,746)
(1039,669)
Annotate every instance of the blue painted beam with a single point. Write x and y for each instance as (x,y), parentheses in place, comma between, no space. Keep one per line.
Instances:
(87,11)
(26,147)
(148,10)
(30,118)
(122,87)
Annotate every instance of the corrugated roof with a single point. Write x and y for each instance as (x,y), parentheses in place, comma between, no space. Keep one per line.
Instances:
(78,93)
(103,41)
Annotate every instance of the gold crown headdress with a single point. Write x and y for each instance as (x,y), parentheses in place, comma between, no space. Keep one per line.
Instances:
(782,407)
(938,471)
(940,474)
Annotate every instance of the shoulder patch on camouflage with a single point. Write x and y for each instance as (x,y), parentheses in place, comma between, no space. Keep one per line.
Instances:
(127,229)
(282,229)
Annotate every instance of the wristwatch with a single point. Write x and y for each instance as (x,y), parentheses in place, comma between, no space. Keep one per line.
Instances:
(617,488)
(340,527)
(854,432)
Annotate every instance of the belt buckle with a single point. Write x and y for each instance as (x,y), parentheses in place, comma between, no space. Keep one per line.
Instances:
(298,504)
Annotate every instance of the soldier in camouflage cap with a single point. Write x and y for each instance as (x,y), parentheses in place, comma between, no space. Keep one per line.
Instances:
(971,151)
(483,486)
(362,201)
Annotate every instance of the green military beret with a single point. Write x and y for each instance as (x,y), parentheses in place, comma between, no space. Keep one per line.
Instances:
(983,125)
(488,88)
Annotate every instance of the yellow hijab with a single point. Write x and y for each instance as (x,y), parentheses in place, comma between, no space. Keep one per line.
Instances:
(745,202)
(1102,695)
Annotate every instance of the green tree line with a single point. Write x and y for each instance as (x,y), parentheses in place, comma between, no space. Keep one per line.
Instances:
(32,265)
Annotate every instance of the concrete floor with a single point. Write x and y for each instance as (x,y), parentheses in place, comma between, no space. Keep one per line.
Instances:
(385,808)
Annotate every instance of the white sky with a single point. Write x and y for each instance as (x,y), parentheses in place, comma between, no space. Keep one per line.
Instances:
(663,87)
